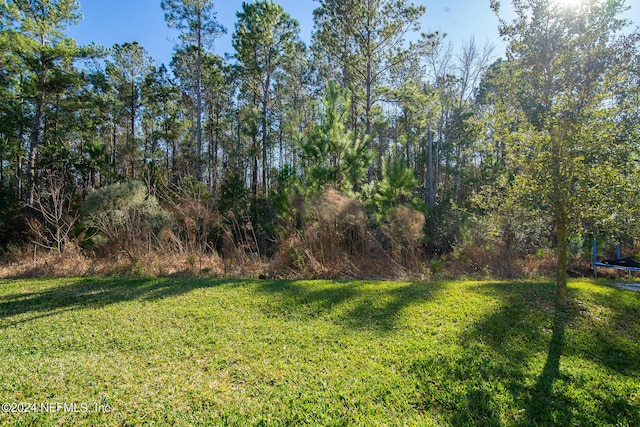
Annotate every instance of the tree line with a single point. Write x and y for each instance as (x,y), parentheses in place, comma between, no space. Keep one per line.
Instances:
(424,146)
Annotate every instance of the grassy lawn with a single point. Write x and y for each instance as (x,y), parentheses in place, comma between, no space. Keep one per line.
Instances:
(205,352)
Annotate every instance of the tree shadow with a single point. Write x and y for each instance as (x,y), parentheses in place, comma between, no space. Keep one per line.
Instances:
(542,404)
(618,335)
(467,384)
(493,372)
(80,294)
(600,343)
(385,316)
(354,304)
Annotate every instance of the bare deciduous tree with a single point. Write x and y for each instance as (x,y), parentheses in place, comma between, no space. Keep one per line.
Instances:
(55,215)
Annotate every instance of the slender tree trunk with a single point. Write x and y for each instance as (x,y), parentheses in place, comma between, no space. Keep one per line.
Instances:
(19,176)
(199,102)
(132,129)
(354,116)
(20,136)
(193,157)
(368,84)
(174,166)
(367,113)
(408,143)
(152,160)
(216,143)
(236,154)
(436,169)
(147,167)
(35,139)
(561,273)
(265,106)
(210,138)
(254,142)
(166,153)
(56,115)
(254,175)
(113,154)
(429,199)
(560,213)
(86,175)
(281,147)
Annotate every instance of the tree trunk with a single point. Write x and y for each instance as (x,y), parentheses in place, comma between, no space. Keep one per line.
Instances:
(114,153)
(34,140)
(254,175)
(429,199)
(560,212)
(214,166)
(367,116)
(254,146)
(281,147)
(174,165)
(265,106)
(132,141)
(166,154)
(18,173)
(211,142)
(236,153)
(368,84)
(199,102)
(561,272)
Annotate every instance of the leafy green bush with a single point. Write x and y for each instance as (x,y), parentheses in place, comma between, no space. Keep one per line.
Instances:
(125,214)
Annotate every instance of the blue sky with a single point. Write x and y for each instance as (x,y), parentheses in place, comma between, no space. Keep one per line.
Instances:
(117,21)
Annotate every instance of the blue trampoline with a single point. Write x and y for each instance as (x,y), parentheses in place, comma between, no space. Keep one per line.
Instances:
(625,264)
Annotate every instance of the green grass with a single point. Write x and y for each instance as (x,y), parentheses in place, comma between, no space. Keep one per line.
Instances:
(204,352)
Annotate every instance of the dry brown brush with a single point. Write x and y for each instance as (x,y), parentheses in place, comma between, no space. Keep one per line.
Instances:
(337,240)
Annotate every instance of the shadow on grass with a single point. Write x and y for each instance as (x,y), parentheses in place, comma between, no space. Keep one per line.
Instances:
(354,304)
(617,336)
(77,294)
(469,384)
(542,403)
(494,372)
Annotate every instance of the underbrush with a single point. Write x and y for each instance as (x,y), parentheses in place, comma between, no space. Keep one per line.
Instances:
(331,235)
(295,258)
(337,239)
(328,234)
(75,262)
(497,261)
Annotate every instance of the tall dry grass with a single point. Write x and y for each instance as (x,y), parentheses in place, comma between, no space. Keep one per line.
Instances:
(336,240)
(73,261)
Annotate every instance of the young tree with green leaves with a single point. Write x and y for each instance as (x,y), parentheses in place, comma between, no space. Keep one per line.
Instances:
(397,186)
(330,155)
(557,84)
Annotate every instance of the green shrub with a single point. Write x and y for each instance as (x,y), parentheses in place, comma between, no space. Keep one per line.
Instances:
(125,214)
